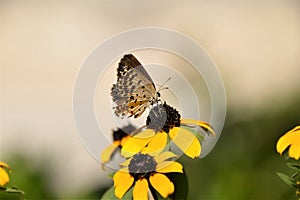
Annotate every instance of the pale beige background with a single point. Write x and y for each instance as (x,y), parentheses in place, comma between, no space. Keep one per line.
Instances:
(255,44)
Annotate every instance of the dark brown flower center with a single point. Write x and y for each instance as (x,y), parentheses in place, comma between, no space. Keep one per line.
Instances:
(141,165)
(163,117)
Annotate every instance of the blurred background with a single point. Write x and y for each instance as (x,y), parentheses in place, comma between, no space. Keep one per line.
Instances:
(254,43)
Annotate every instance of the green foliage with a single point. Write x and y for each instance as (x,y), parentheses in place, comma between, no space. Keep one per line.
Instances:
(110,194)
(244,162)
(111,175)
(292,181)
(30,178)
(128,195)
(288,180)
(11,193)
(294,166)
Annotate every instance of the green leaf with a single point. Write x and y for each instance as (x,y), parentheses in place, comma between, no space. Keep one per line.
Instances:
(109,194)
(160,197)
(288,180)
(294,166)
(12,190)
(111,175)
(128,195)
(295,175)
(286,155)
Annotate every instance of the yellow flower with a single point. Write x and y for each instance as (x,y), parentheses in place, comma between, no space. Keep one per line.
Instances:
(4,178)
(120,137)
(163,123)
(292,140)
(143,169)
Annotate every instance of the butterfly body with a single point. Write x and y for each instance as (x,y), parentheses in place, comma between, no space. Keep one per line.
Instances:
(134,90)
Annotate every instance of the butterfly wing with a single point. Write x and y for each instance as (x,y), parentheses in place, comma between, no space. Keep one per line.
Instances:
(134,90)
(129,62)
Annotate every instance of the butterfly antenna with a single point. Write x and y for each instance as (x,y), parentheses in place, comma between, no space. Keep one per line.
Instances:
(137,130)
(163,87)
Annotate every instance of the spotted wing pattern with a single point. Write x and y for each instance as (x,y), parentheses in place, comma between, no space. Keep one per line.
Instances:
(134,90)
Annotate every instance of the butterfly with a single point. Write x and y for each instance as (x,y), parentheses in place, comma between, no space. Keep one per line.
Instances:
(134,90)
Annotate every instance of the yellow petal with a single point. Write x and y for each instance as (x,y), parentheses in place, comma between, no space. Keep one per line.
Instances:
(164,156)
(3,164)
(124,169)
(169,166)
(162,184)
(294,151)
(157,144)
(292,139)
(122,182)
(136,143)
(186,141)
(107,153)
(283,142)
(4,178)
(124,140)
(140,190)
(202,124)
